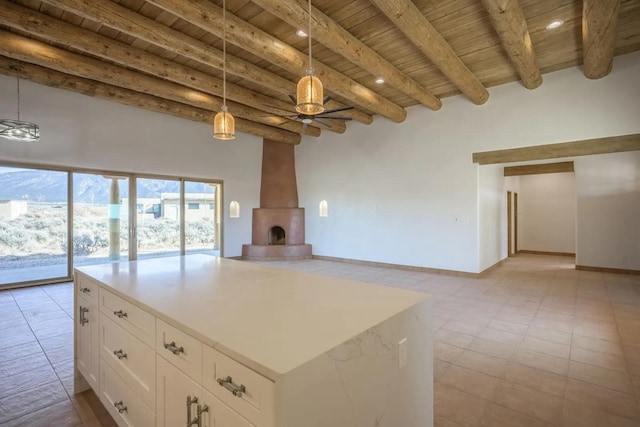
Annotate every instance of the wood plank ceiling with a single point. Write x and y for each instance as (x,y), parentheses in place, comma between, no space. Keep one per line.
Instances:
(165,55)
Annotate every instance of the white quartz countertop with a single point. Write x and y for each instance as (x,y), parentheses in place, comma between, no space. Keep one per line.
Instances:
(272,320)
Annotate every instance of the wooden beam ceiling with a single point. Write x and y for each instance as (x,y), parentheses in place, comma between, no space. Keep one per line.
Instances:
(614,144)
(599,24)
(333,36)
(408,18)
(168,51)
(208,17)
(49,77)
(510,24)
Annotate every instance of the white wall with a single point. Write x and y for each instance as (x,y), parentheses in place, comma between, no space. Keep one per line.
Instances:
(80,131)
(608,190)
(547,213)
(409,193)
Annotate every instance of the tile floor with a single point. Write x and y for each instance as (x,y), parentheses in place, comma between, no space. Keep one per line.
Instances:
(535,343)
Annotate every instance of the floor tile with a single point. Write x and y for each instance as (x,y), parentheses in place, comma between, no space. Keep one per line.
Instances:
(479,362)
(536,379)
(493,348)
(604,399)
(58,414)
(579,415)
(471,382)
(607,378)
(19,404)
(542,406)
(499,416)
(459,407)
(556,365)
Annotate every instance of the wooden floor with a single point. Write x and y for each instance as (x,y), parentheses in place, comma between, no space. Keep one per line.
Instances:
(536,343)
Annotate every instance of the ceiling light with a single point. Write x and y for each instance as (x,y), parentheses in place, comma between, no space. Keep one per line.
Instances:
(18,130)
(554,24)
(301,33)
(224,125)
(309,90)
(379,80)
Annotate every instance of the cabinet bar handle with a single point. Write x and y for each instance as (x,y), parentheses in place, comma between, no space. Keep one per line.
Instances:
(173,348)
(120,406)
(200,410)
(229,385)
(190,401)
(120,354)
(85,290)
(120,313)
(83,319)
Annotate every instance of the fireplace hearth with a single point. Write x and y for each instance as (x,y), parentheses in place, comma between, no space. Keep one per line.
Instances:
(278,224)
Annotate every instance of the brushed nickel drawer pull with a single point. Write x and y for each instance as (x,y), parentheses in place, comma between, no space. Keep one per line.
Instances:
(173,348)
(120,406)
(85,290)
(83,319)
(229,385)
(120,354)
(120,313)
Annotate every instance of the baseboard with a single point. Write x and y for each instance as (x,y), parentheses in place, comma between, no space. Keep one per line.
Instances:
(238,258)
(491,268)
(546,253)
(608,270)
(406,267)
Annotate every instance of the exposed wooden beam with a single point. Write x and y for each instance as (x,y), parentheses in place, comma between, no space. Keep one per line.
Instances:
(35,52)
(612,144)
(122,19)
(339,40)
(208,16)
(510,24)
(599,24)
(408,18)
(539,169)
(47,77)
(25,19)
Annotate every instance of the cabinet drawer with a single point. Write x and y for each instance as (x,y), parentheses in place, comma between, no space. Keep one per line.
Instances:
(135,320)
(87,287)
(182,350)
(134,361)
(256,403)
(126,408)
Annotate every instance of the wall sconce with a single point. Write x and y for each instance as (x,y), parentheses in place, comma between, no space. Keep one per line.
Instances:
(234,209)
(324,209)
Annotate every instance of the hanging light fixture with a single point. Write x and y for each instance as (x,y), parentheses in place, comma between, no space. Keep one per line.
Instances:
(18,130)
(309,92)
(224,125)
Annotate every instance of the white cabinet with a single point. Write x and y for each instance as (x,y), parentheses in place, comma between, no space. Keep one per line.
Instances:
(125,407)
(87,345)
(182,401)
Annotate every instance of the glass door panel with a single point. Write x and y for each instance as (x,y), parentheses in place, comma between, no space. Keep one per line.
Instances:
(202,219)
(33,225)
(100,220)
(158,217)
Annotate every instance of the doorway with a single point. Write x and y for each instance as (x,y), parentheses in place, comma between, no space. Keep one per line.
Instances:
(512,223)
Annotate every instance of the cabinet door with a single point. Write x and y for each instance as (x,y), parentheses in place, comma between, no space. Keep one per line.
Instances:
(172,390)
(87,341)
(220,415)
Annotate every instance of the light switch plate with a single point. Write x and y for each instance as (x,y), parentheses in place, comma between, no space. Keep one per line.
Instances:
(402,353)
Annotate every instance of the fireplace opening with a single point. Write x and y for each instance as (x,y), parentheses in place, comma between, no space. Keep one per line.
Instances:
(276,236)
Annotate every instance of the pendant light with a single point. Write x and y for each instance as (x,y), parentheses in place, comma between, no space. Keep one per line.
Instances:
(18,130)
(309,92)
(224,125)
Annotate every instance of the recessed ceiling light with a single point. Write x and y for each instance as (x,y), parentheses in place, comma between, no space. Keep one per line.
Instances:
(379,80)
(554,24)
(301,33)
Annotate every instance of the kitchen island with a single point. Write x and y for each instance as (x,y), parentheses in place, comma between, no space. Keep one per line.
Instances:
(230,343)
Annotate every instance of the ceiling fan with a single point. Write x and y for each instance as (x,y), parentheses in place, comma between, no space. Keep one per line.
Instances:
(307,119)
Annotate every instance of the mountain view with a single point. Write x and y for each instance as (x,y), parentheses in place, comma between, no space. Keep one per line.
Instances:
(51,187)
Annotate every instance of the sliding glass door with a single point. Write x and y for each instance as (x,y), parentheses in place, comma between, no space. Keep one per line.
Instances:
(202,221)
(34,223)
(53,220)
(100,220)
(158,228)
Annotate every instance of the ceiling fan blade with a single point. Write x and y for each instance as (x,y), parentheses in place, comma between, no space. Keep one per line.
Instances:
(293,99)
(322,122)
(326,99)
(322,116)
(335,110)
